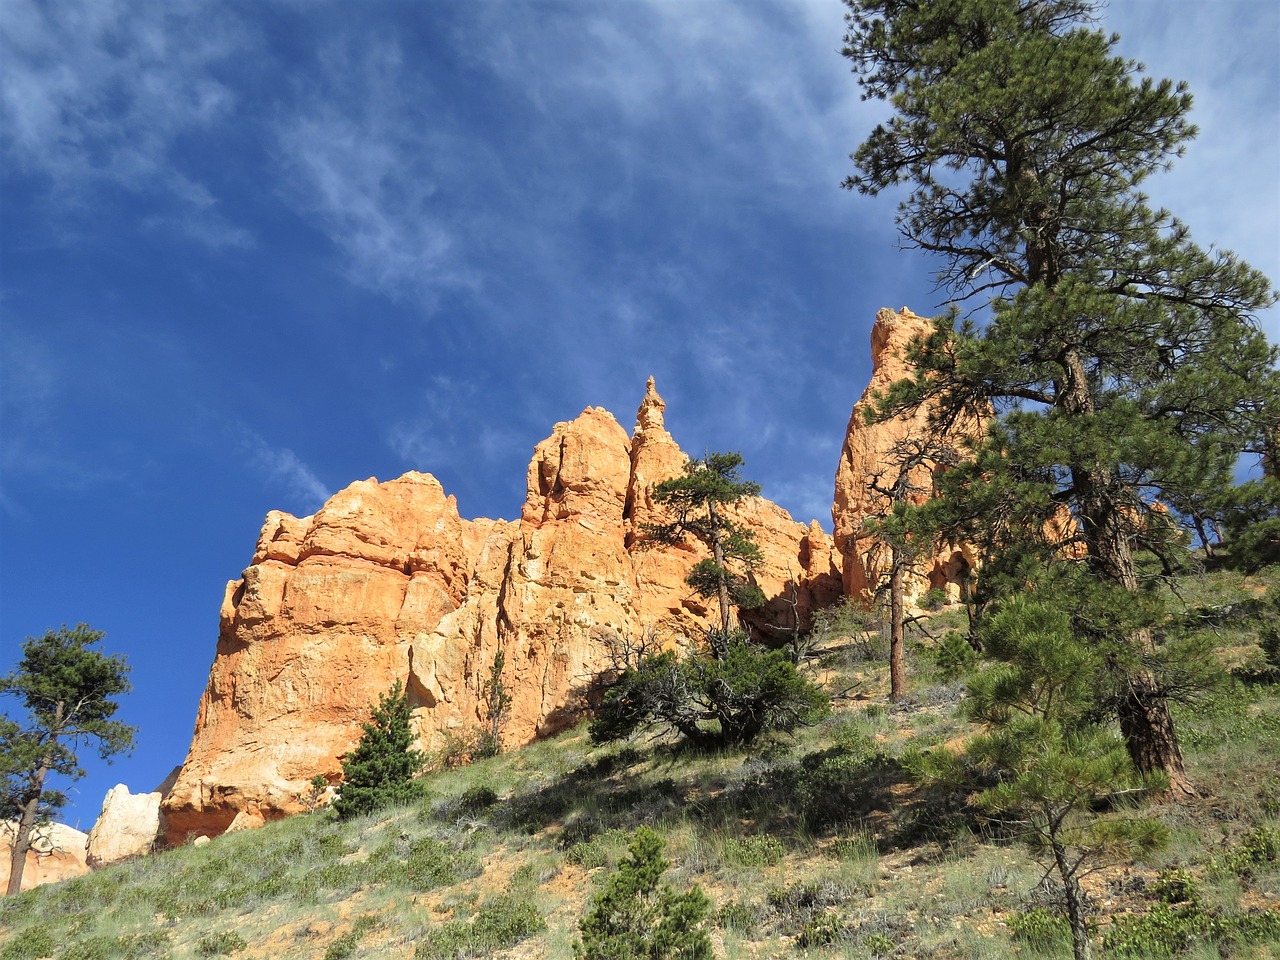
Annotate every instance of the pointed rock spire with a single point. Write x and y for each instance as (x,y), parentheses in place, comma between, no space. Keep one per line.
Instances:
(649,416)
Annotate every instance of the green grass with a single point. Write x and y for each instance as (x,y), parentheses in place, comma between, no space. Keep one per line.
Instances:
(817,846)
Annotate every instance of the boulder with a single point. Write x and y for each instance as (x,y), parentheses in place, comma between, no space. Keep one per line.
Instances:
(128,826)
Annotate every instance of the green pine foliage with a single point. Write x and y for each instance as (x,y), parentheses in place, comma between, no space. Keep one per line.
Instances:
(496,703)
(1251,518)
(1053,764)
(67,693)
(638,917)
(380,771)
(695,502)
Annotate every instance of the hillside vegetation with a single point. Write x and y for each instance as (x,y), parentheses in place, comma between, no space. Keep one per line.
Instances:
(820,845)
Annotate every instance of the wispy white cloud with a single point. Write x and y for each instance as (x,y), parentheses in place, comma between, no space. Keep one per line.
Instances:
(282,466)
(452,428)
(362,154)
(28,380)
(100,92)
(33,410)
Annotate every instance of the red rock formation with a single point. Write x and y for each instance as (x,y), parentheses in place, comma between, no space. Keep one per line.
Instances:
(868,456)
(386,582)
(315,630)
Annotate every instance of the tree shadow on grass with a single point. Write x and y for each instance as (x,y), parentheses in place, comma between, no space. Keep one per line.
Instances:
(819,794)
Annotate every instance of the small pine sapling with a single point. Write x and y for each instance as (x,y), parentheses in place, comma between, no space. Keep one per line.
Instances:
(496,703)
(380,771)
(1056,765)
(638,917)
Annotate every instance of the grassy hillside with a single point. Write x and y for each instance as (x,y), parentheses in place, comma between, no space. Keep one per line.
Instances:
(819,846)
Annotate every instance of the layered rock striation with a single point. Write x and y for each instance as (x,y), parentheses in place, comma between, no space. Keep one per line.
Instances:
(388,583)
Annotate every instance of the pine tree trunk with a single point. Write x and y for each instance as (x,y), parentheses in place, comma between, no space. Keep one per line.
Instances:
(1143,712)
(22,838)
(1074,902)
(897,662)
(717,551)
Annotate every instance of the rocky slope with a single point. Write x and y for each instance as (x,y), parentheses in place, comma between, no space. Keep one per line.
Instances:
(388,583)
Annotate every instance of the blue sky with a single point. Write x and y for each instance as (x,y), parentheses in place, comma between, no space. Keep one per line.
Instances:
(254,251)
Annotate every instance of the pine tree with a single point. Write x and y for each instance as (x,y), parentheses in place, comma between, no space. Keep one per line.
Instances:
(496,704)
(1124,362)
(696,501)
(380,771)
(67,691)
(907,532)
(1054,764)
(638,917)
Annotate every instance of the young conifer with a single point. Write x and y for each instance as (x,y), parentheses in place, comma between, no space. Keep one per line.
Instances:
(380,771)
(696,502)
(638,917)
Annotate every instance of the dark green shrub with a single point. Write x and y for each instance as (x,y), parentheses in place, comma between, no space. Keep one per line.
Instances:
(711,701)
(333,845)
(935,599)
(1176,886)
(1163,931)
(822,930)
(95,948)
(638,917)
(588,854)
(346,944)
(760,850)
(954,656)
(798,904)
(879,944)
(1260,846)
(431,864)
(1253,927)
(380,771)
(343,946)
(477,798)
(837,785)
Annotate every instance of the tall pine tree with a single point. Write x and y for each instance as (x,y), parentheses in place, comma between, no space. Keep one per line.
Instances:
(67,691)
(1125,362)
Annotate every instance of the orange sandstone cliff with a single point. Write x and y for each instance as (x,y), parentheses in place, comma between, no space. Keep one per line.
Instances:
(386,583)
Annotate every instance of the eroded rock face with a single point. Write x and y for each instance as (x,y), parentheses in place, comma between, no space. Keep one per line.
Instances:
(868,462)
(58,853)
(386,582)
(318,627)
